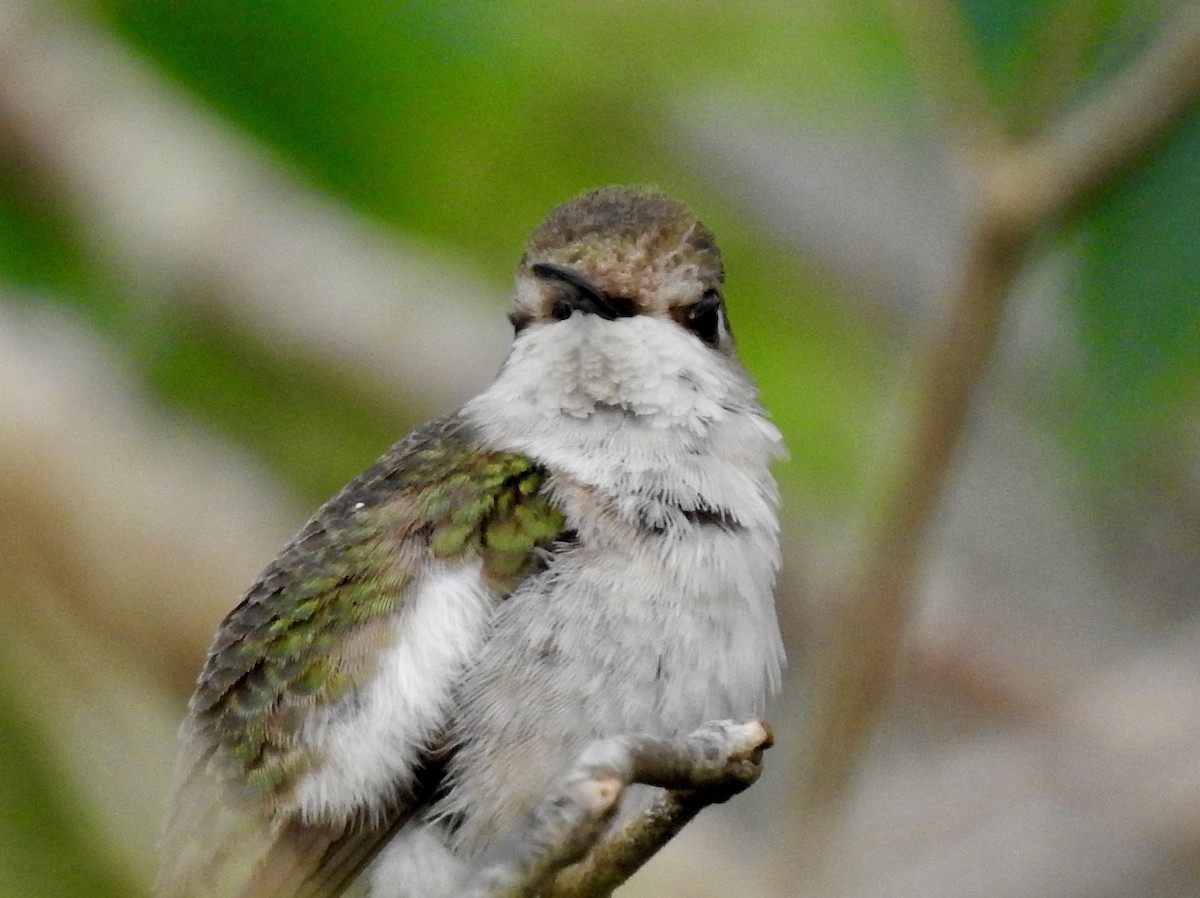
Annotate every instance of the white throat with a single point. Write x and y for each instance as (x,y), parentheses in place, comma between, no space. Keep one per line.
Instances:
(639,409)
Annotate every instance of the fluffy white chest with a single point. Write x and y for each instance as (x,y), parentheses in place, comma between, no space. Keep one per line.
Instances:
(657,615)
(660,615)
(656,636)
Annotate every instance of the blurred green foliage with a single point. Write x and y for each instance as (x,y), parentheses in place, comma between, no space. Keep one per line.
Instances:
(37,248)
(465,123)
(1036,56)
(1139,311)
(45,848)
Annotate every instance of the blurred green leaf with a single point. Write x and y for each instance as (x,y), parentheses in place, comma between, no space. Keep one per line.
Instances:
(1139,303)
(45,848)
(1003,34)
(1039,56)
(38,248)
(308,426)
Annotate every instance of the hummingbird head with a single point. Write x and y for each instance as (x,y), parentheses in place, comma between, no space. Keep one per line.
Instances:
(620,325)
(622,253)
(623,370)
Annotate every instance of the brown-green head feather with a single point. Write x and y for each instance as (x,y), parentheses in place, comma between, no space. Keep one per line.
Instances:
(629,241)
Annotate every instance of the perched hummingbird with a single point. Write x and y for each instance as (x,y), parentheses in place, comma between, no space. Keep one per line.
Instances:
(586,549)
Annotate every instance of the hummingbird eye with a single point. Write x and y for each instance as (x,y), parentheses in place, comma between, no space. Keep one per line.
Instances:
(703,318)
(561,310)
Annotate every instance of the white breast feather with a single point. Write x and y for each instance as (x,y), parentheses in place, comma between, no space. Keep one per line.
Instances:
(640,408)
(654,419)
(368,753)
(660,424)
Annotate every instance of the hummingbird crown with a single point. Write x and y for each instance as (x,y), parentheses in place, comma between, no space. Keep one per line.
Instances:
(620,252)
(624,221)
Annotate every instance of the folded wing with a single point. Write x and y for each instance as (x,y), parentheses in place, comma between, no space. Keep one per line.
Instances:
(311,734)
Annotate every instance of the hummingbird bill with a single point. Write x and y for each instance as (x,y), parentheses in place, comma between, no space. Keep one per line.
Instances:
(585,549)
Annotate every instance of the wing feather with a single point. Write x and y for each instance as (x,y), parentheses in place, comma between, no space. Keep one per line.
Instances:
(301,649)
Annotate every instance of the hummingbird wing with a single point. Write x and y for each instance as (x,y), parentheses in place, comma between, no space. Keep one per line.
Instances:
(313,731)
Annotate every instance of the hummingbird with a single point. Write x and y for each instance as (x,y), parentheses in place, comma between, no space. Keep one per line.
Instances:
(585,549)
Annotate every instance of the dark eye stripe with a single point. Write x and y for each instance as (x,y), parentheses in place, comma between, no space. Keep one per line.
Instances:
(580,293)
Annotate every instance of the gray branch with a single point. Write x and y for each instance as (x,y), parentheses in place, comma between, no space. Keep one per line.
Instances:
(564,848)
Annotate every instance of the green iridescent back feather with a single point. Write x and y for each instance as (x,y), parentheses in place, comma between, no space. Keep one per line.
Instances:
(310,630)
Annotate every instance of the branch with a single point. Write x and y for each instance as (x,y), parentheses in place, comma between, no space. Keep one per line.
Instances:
(711,765)
(185,209)
(1053,174)
(1024,191)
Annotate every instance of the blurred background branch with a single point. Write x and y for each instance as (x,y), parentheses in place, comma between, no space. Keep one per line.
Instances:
(1023,192)
(189,211)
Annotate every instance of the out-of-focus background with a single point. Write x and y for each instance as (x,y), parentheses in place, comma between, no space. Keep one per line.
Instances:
(247,244)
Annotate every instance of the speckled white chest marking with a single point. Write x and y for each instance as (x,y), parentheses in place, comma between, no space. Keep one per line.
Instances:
(657,621)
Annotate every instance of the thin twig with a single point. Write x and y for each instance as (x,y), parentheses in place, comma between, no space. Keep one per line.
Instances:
(869,619)
(706,774)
